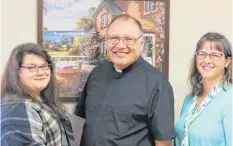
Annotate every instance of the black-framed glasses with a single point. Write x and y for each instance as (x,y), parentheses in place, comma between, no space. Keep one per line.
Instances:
(36,68)
(126,40)
(213,56)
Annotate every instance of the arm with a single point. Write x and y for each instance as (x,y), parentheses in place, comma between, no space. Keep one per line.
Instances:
(227,122)
(161,114)
(80,108)
(21,126)
(163,142)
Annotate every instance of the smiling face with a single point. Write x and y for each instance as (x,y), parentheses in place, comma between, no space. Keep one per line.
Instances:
(36,81)
(120,54)
(211,69)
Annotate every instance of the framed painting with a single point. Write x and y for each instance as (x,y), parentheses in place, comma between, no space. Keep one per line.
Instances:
(73,33)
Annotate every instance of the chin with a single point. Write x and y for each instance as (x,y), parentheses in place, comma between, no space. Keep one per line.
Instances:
(40,88)
(208,77)
(120,62)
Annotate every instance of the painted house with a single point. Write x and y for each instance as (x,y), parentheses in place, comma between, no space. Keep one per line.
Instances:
(149,13)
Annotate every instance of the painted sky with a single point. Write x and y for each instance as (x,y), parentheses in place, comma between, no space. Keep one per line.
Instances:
(62,14)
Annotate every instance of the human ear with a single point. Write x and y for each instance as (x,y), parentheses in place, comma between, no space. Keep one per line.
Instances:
(143,39)
(228,61)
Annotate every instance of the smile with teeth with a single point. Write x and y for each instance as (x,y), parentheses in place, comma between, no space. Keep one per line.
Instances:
(207,68)
(120,53)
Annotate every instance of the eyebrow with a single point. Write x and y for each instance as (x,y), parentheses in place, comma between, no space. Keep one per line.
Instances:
(211,52)
(125,36)
(128,36)
(36,64)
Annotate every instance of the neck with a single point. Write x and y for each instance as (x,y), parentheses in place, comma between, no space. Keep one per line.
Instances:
(208,85)
(36,96)
(117,67)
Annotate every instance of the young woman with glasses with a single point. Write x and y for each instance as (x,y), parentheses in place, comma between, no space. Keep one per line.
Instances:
(30,111)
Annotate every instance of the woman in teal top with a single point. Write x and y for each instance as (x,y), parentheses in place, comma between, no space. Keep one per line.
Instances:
(206,116)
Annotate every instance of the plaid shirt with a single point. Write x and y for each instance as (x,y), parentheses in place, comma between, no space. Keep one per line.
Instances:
(29,123)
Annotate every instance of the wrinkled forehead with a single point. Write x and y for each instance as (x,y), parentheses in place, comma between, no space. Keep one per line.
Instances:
(126,26)
(211,46)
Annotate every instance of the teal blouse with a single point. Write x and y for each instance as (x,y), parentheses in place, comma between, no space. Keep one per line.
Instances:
(213,127)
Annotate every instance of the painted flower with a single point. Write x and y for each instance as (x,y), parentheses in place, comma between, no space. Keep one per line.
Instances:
(159,60)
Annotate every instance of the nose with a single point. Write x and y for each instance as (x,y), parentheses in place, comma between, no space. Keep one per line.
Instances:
(40,71)
(207,58)
(120,44)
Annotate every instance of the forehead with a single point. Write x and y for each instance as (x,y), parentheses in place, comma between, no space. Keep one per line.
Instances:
(211,46)
(124,27)
(33,59)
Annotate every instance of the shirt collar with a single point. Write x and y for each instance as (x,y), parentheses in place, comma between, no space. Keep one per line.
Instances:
(130,67)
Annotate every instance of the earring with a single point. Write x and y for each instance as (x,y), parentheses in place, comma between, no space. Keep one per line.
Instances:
(225,69)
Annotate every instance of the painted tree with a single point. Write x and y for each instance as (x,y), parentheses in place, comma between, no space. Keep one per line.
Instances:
(84,23)
(75,50)
(90,46)
(90,42)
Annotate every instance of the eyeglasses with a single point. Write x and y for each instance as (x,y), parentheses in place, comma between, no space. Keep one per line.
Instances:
(213,56)
(36,68)
(126,40)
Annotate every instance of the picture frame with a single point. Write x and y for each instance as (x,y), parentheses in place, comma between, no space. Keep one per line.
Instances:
(73,33)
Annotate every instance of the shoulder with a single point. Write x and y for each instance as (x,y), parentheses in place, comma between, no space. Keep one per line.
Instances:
(101,66)
(227,91)
(224,99)
(225,96)
(187,102)
(22,109)
(188,98)
(100,71)
(153,74)
(16,106)
(8,106)
(149,69)
(19,114)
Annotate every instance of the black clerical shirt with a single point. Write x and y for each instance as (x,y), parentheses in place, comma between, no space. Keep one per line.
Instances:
(134,107)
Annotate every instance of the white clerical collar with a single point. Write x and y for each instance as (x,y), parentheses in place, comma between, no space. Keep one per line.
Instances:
(117,70)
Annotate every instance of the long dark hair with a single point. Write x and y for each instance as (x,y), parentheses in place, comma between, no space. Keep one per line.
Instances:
(10,84)
(223,45)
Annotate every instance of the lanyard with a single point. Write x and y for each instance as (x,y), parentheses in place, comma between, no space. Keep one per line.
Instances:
(194,112)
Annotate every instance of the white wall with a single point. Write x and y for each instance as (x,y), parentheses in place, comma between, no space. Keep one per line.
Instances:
(188,21)
(0,36)
(18,25)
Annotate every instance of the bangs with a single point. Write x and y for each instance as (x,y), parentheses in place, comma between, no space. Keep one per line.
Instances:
(214,45)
